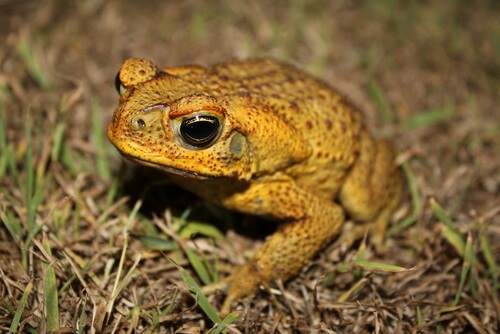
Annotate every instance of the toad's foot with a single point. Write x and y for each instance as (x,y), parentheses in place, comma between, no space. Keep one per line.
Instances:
(243,283)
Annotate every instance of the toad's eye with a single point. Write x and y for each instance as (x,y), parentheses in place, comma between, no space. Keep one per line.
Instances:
(200,131)
(120,88)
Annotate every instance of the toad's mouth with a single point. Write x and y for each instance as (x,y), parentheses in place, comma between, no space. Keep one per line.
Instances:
(167,169)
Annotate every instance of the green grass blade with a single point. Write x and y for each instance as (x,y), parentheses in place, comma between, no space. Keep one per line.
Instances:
(58,142)
(58,138)
(29,168)
(467,265)
(448,229)
(442,215)
(30,59)
(493,267)
(229,319)
(356,287)
(429,117)
(158,243)
(33,190)
(420,316)
(454,238)
(198,265)
(189,228)
(383,107)
(50,290)
(376,266)
(195,291)
(12,224)
(33,226)
(7,153)
(68,160)
(19,312)
(416,206)
(463,192)
(155,320)
(113,191)
(81,318)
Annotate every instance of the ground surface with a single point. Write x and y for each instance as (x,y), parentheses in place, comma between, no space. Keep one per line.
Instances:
(426,73)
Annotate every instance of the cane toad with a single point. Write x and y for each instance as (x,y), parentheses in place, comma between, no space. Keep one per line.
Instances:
(262,138)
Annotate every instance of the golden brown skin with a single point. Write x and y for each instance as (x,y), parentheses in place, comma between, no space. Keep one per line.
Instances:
(262,138)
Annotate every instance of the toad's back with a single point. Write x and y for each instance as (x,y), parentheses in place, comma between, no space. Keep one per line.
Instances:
(319,112)
(323,119)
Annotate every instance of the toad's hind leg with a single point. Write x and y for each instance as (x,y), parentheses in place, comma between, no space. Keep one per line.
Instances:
(308,223)
(372,189)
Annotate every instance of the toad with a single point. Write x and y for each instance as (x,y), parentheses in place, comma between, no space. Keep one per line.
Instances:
(262,138)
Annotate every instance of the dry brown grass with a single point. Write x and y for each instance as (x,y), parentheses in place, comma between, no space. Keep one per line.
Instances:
(425,73)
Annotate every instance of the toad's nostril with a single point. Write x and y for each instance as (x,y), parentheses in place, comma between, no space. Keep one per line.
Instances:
(139,124)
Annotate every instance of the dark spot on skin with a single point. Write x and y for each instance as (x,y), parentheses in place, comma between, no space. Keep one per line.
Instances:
(293,106)
(328,124)
(142,72)
(343,126)
(309,125)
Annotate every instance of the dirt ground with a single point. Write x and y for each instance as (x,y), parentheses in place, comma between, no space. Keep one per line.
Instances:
(425,73)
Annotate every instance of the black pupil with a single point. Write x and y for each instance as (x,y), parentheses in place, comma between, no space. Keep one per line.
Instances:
(200,130)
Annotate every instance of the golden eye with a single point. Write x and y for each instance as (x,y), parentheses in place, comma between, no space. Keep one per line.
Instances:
(200,131)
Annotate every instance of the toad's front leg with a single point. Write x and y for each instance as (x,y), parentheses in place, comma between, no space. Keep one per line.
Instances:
(309,222)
